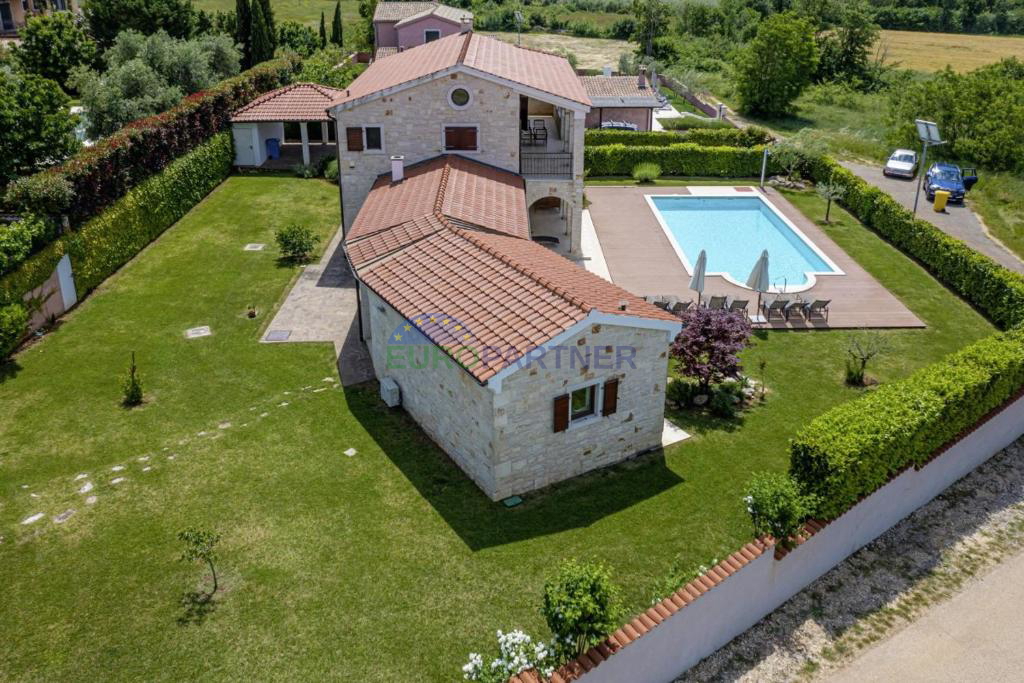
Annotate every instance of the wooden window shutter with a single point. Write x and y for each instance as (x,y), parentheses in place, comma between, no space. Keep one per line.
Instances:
(561,413)
(611,397)
(469,138)
(354,136)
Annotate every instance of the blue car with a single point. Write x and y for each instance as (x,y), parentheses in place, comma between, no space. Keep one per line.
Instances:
(948,177)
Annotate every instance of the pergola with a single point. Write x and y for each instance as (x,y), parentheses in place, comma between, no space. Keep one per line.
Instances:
(263,119)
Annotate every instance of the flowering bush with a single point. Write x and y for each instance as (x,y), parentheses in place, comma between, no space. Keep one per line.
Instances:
(580,606)
(706,347)
(517,652)
(776,506)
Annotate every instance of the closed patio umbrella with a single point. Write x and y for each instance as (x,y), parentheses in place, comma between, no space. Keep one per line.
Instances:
(759,282)
(697,281)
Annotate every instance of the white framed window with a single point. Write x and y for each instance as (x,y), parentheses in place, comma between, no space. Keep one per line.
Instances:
(460,137)
(431,34)
(583,403)
(459,97)
(369,139)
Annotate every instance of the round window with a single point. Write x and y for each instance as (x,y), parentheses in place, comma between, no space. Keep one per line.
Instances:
(459,97)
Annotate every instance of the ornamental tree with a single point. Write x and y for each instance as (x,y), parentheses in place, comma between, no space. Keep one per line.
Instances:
(199,547)
(337,35)
(775,67)
(51,45)
(580,606)
(708,345)
(38,130)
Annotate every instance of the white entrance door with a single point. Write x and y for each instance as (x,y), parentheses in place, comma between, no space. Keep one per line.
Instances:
(245,153)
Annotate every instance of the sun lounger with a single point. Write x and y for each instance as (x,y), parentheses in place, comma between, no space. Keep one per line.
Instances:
(779,306)
(817,307)
(718,303)
(738,306)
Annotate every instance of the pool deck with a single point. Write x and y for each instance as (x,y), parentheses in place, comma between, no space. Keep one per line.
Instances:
(641,259)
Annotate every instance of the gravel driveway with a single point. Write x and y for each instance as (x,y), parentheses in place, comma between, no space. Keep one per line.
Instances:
(958,220)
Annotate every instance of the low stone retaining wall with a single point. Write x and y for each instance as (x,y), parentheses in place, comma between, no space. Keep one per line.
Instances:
(684,92)
(713,609)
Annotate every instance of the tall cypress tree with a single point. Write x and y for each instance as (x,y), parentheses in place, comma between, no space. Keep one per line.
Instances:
(336,36)
(268,17)
(323,32)
(243,30)
(259,39)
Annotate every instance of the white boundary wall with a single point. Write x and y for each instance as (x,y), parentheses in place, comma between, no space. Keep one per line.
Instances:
(755,590)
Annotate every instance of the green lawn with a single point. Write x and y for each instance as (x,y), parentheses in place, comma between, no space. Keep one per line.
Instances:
(386,566)
(302,11)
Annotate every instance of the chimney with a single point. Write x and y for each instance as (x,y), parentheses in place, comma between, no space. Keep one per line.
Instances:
(641,78)
(607,70)
(397,168)
(401,48)
(465,25)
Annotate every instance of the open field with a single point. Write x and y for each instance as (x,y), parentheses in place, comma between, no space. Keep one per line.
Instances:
(933,51)
(388,565)
(302,11)
(591,53)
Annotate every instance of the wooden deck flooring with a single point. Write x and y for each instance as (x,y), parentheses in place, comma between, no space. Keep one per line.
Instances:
(642,260)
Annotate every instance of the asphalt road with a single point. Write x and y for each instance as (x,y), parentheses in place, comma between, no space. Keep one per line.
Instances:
(976,636)
(958,220)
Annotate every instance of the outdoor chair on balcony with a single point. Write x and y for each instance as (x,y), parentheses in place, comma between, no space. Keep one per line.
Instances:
(780,306)
(540,136)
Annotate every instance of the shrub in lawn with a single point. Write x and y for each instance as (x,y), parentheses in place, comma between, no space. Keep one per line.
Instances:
(199,547)
(517,652)
(708,344)
(776,506)
(646,172)
(681,392)
(580,606)
(305,171)
(296,242)
(131,386)
(725,399)
(830,191)
(13,323)
(862,347)
(331,170)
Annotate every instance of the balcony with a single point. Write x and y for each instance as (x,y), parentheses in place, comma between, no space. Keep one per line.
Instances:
(550,164)
(545,147)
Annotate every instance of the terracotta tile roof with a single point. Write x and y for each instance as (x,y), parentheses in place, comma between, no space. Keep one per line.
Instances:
(383,52)
(453,238)
(453,14)
(396,11)
(295,102)
(617,87)
(539,70)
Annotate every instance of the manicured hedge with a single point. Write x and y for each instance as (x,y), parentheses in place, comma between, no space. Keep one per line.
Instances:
(707,137)
(680,159)
(99,175)
(995,290)
(13,324)
(109,240)
(856,447)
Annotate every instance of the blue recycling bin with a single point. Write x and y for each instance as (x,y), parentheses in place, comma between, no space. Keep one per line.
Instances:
(273,148)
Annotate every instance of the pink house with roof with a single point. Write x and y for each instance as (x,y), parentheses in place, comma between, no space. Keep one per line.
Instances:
(401,25)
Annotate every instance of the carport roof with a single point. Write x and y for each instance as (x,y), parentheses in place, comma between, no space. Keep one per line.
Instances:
(295,102)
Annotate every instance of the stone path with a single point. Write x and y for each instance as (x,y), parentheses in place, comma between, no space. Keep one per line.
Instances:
(322,306)
(958,220)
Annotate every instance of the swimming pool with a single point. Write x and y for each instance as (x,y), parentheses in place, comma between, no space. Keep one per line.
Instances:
(733,230)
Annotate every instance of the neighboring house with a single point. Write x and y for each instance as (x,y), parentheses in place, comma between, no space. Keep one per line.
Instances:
(15,13)
(460,160)
(524,367)
(621,99)
(399,26)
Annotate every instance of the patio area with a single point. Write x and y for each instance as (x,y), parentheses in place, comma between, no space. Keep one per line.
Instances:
(641,258)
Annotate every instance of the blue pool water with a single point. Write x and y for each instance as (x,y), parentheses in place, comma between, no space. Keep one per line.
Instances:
(734,231)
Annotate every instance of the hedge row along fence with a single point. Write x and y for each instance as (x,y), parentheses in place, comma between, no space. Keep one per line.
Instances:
(685,158)
(96,177)
(111,239)
(751,136)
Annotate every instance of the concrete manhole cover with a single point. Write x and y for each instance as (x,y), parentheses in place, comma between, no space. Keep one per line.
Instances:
(254,246)
(278,335)
(196,332)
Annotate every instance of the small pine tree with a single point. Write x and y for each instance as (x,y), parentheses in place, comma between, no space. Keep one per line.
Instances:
(336,32)
(243,30)
(323,32)
(131,387)
(260,41)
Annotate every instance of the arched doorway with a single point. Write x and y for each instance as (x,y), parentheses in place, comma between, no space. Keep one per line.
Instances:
(550,224)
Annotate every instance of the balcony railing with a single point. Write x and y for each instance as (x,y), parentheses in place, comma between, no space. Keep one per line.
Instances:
(557,164)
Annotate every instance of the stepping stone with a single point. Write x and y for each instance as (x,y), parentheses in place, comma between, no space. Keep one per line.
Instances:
(254,246)
(64,516)
(350,452)
(203,433)
(33,495)
(117,468)
(282,404)
(143,458)
(32,519)
(91,500)
(277,335)
(170,457)
(117,480)
(86,487)
(147,468)
(196,332)
(224,425)
(80,477)
(327,379)
(264,414)
(24,486)
(317,391)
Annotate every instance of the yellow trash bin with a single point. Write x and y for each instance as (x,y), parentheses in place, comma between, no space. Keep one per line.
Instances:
(941,197)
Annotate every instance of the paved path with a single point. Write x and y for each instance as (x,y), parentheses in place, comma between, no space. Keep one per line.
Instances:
(976,636)
(322,307)
(958,220)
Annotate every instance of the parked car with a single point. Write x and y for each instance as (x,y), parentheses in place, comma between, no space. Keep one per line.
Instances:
(620,125)
(949,177)
(902,164)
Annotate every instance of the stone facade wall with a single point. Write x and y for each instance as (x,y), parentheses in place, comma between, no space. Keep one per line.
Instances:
(451,407)
(641,116)
(411,122)
(529,454)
